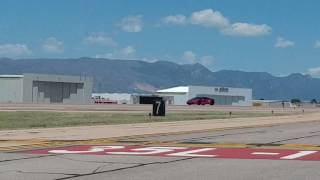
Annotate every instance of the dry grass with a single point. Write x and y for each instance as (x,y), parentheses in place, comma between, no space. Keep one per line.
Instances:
(33,119)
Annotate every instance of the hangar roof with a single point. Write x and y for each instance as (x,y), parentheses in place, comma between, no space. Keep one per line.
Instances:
(10,76)
(179,89)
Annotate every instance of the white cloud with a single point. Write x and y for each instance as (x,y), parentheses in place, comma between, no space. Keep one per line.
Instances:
(317,44)
(128,51)
(14,50)
(207,60)
(175,20)
(283,43)
(314,71)
(192,58)
(247,30)
(189,56)
(151,60)
(52,45)
(209,18)
(101,40)
(106,55)
(214,19)
(125,53)
(131,24)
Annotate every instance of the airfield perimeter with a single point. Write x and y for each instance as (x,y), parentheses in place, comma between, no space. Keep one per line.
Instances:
(272,116)
(282,145)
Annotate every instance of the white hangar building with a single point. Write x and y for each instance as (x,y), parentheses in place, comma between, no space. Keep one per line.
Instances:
(222,95)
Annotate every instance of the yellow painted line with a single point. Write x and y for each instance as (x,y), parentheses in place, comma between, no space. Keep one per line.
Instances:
(5,149)
(188,132)
(21,145)
(301,146)
(231,145)
(200,145)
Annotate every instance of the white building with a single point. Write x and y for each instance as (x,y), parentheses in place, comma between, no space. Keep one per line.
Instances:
(120,98)
(221,95)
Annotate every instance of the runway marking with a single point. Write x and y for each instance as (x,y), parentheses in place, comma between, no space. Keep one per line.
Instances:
(165,151)
(264,153)
(23,145)
(192,153)
(299,154)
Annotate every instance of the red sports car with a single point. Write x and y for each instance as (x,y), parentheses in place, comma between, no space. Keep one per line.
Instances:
(201,101)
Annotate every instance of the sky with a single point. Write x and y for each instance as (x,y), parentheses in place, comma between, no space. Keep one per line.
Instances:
(276,36)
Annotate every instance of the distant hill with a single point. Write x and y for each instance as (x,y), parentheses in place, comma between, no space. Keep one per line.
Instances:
(139,76)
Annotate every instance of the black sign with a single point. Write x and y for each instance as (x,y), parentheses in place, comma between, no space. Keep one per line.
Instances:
(149,99)
(159,105)
(159,108)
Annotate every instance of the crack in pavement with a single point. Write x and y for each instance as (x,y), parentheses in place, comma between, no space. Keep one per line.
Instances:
(28,158)
(221,135)
(35,172)
(2,172)
(312,132)
(102,162)
(98,168)
(124,168)
(301,137)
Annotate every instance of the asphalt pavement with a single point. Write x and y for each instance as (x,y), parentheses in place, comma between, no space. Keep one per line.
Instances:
(299,136)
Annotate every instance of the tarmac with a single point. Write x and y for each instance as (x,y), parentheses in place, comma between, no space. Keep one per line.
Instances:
(110,131)
(24,165)
(20,157)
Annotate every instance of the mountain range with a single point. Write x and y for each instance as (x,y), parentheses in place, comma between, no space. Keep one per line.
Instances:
(134,76)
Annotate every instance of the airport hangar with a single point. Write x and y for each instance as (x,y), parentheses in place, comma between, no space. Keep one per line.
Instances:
(222,95)
(40,88)
(181,94)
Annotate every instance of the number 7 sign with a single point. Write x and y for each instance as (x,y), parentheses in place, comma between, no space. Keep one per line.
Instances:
(159,108)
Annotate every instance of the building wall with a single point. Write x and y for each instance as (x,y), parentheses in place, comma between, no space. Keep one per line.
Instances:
(175,98)
(179,99)
(56,92)
(11,89)
(121,98)
(223,95)
(39,88)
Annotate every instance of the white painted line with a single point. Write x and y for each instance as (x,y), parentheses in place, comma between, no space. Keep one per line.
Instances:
(299,154)
(265,153)
(148,151)
(93,149)
(192,153)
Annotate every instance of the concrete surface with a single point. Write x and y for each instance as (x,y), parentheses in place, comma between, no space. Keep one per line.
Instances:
(295,133)
(208,169)
(92,167)
(139,108)
(108,131)
(293,129)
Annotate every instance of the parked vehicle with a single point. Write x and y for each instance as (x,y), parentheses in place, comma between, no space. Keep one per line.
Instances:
(200,101)
(99,100)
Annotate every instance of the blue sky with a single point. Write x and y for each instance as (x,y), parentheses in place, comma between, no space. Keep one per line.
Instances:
(276,36)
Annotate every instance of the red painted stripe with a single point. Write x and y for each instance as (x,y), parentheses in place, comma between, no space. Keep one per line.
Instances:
(234,153)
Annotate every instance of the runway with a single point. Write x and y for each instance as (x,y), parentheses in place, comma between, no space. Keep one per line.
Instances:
(285,138)
(139,108)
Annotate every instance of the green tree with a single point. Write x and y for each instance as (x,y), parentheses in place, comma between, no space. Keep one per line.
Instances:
(314,101)
(295,101)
